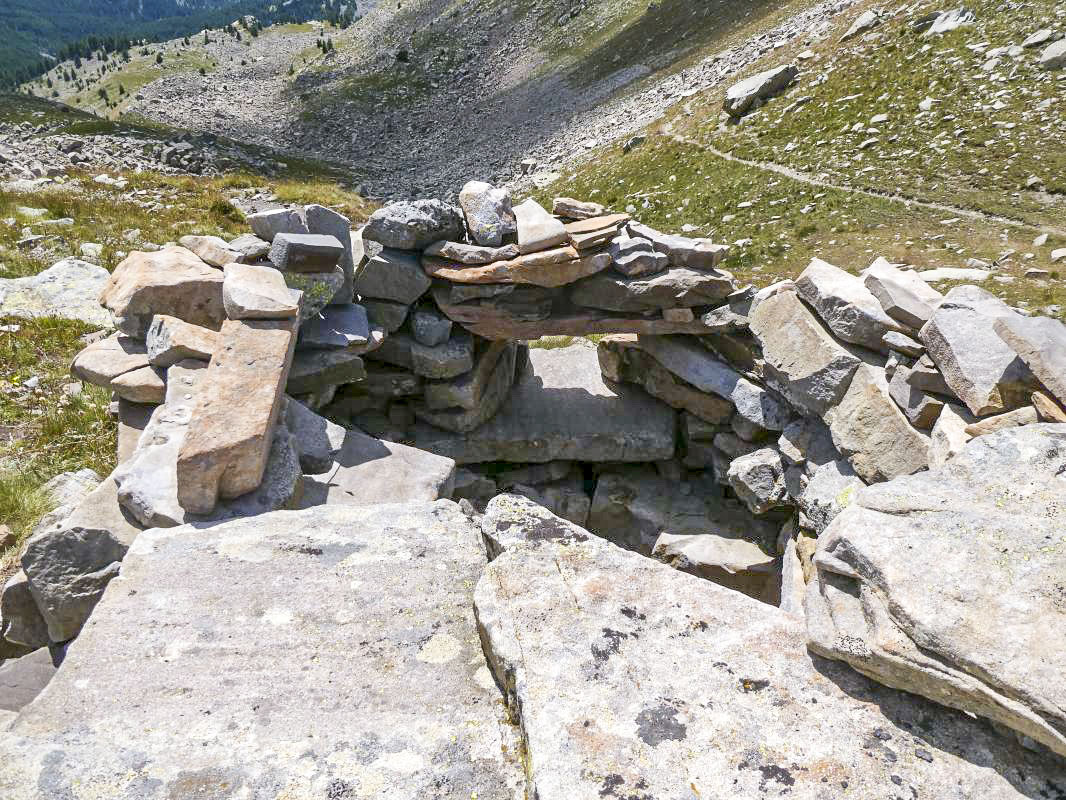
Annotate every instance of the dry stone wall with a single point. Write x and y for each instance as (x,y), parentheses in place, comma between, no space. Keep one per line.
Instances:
(732,433)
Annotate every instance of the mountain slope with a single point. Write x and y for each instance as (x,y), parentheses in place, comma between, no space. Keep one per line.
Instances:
(39,29)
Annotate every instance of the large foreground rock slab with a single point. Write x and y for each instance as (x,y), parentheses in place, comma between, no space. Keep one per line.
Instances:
(329,653)
(69,289)
(949,583)
(562,409)
(633,680)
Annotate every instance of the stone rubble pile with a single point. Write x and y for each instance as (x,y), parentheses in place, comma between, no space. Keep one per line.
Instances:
(32,152)
(786,444)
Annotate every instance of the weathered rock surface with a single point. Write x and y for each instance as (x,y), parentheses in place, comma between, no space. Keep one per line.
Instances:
(252,291)
(675,288)
(383,690)
(465,403)
(22,679)
(549,268)
(170,281)
(830,489)
(268,224)
(982,370)
(1041,343)
(873,433)
(488,213)
(471,255)
(170,340)
(758,478)
(225,450)
(734,563)
(990,521)
(414,224)
(69,289)
(69,566)
(306,252)
(336,327)
(850,309)
(622,360)
(313,370)
(633,505)
(741,97)
(561,409)
(903,295)
(104,360)
(368,471)
(22,621)
(536,228)
(803,361)
(211,250)
(630,679)
(698,367)
(682,251)
(392,275)
(328,222)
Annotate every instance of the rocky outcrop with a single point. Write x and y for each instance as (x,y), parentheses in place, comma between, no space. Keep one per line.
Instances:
(68,289)
(384,686)
(628,678)
(980,630)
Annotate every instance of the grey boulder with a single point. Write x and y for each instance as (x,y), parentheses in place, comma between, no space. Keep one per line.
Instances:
(742,97)
(488,213)
(980,368)
(938,583)
(414,224)
(844,303)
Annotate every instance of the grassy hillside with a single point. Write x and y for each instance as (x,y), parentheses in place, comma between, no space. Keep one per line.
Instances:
(992,129)
(46,428)
(40,30)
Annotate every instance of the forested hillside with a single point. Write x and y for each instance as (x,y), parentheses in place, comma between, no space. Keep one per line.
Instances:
(41,30)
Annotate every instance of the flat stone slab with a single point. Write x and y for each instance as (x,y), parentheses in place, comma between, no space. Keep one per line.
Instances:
(328,653)
(69,289)
(369,471)
(22,679)
(945,583)
(632,680)
(561,408)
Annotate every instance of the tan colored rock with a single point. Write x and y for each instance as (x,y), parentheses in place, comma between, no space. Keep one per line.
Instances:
(250,291)
(570,208)
(872,432)
(1048,409)
(549,268)
(132,420)
(211,249)
(1026,415)
(170,281)
(103,361)
(228,442)
(171,340)
(593,224)
(144,385)
(537,229)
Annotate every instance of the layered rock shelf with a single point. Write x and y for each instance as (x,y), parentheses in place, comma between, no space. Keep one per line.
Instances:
(801,539)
